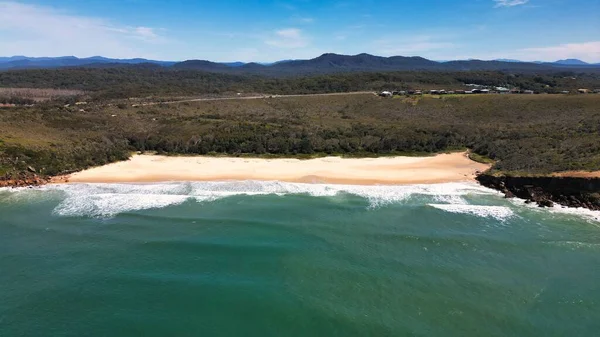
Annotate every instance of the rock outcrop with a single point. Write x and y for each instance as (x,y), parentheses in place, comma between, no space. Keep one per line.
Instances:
(23,180)
(546,191)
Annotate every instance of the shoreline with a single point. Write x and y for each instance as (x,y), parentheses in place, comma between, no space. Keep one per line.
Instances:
(571,189)
(442,168)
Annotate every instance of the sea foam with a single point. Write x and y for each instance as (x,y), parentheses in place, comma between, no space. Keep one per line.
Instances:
(106,200)
(496,212)
(589,215)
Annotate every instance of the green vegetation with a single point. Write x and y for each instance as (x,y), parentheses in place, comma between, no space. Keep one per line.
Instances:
(481,158)
(118,83)
(532,134)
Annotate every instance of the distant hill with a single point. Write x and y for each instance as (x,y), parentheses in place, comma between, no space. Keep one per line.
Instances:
(572,62)
(202,65)
(324,64)
(510,60)
(233,64)
(472,65)
(24,62)
(566,62)
(362,62)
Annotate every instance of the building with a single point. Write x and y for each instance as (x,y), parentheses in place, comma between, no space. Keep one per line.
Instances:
(385,94)
(529,92)
(583,91)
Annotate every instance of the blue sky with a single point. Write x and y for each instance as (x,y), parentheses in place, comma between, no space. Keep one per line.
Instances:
(269,30)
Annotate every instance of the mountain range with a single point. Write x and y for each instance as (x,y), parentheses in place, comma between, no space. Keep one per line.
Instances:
(326,63)
(24,62)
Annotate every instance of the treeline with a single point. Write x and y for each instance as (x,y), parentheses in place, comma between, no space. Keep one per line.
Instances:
(124,82)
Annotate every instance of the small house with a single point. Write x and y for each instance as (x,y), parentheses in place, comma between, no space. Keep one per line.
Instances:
(583,91)
(385,94)
(529,92)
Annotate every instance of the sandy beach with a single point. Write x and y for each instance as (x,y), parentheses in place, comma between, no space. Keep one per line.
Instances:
(452,167)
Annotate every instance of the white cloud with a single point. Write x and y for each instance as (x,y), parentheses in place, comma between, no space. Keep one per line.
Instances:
(44,31)
(288,38)
(510,3)
(146,33)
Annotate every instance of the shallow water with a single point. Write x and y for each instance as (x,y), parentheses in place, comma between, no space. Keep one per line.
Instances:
(282,259)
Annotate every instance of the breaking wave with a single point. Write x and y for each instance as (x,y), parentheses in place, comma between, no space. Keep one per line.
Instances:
(108,200)
(497,212)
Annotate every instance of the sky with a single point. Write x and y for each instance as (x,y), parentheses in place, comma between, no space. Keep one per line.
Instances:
(271,30)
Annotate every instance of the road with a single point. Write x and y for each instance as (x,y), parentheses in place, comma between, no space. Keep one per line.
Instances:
(256,97)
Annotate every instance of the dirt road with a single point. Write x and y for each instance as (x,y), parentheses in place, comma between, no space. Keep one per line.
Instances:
(257,97)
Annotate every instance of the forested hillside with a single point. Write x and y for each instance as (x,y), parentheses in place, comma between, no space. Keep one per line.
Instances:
(152,80)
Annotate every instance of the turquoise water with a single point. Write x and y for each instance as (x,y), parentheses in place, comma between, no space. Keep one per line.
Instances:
(278,259)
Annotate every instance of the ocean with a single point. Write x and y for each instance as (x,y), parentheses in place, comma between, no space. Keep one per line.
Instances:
(284,259)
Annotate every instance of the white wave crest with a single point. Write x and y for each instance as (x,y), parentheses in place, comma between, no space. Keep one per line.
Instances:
(107,200)
(590,216)
(498,212)
(108,205)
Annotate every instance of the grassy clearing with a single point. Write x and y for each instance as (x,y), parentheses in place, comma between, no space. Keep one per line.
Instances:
(481,158)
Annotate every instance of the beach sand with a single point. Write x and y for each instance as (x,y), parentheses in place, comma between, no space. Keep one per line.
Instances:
(453,167)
